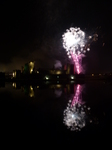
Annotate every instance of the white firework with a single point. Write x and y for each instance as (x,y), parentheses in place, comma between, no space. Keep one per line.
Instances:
(74,117)
(74,41)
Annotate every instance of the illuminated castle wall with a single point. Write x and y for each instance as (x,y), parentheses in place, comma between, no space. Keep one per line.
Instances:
(66,69)
(29,67)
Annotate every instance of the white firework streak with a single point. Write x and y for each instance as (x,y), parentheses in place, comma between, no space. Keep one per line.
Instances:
(75,43)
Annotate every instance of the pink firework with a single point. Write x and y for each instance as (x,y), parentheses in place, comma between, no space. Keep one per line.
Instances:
(77,60)
(77,97)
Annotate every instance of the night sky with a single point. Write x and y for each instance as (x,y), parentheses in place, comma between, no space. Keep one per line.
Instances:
(32,31)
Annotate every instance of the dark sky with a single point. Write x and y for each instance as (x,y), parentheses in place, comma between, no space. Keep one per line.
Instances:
(32,31)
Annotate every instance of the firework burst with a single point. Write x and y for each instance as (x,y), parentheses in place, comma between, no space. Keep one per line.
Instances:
(76,44)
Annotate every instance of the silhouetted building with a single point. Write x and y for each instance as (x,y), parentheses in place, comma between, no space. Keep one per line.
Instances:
(2,76)
(2,83)
(22,69)
(72,69)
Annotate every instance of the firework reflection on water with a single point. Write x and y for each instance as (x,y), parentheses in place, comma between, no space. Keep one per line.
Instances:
(76,113)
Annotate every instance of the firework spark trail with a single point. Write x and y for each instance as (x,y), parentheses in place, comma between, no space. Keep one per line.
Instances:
(77,97)
(77,59)
(75,43)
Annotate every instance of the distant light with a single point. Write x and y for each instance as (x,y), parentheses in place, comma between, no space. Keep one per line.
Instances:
(37,87)
(72,77)
(58,85)
(88,49)
(31,93)
(88,108)
(90,121)
(46,77)
(31,63)
(14,84)
(90,37)
(13,74)
(31,88)
(72,81)
(58,72)
(37,71)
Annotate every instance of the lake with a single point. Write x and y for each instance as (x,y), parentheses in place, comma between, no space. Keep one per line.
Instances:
(56,113)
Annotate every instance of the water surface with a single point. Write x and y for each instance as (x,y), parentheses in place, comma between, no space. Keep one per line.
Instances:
(56,113)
